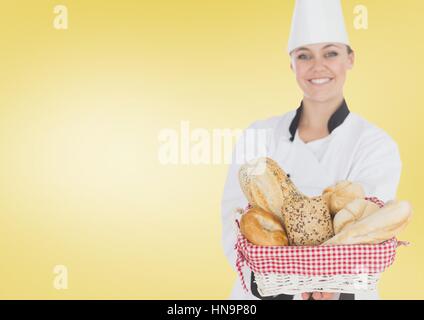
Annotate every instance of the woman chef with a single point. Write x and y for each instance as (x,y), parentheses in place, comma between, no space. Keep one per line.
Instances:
(322,141)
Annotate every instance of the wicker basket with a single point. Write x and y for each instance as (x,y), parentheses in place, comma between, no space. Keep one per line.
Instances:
(335,268)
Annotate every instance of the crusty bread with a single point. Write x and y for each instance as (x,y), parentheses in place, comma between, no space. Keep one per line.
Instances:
(339,195)
(352,212)
(308,221)
(262,228)
(377,227)
(262,186)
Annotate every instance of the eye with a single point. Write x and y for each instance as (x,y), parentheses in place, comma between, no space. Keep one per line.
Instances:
(303,56)
(331,54)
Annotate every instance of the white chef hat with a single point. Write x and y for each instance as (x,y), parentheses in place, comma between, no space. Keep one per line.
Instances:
(317,21)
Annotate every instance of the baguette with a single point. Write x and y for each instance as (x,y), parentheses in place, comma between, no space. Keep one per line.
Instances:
(356,210)
(377,227)
(262,185)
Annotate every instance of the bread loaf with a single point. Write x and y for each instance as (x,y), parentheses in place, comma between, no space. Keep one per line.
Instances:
(381,225)
(339,195)
(352,212)
(262,186)
(262,228)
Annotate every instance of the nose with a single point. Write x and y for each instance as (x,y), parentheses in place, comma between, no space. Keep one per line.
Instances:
(319,65)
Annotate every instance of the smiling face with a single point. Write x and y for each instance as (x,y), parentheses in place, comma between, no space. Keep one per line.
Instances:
(321,69)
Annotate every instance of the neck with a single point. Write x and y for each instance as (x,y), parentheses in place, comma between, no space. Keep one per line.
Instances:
(315,114)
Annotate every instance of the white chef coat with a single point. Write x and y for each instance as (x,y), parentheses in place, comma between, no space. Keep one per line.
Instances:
(355,150)
(318,147)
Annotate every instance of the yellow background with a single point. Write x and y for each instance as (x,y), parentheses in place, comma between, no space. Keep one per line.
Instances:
(80,114)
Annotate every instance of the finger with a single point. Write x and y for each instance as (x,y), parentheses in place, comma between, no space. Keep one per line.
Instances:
(306,295)
(327,295)
(317,296)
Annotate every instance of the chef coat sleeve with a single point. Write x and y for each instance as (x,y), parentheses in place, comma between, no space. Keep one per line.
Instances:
(377,166)
(233,197)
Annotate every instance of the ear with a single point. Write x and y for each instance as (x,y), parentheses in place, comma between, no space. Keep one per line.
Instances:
(291,64)
(351,60)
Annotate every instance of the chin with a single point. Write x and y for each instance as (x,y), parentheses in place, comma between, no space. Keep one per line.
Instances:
(319,97)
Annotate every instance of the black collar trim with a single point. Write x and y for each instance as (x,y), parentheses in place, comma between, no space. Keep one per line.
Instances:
(335,120)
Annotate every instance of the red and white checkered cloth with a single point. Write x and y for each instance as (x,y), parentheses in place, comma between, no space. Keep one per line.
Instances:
(316,260)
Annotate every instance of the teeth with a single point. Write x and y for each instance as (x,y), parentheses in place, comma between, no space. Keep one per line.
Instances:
(320,81)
